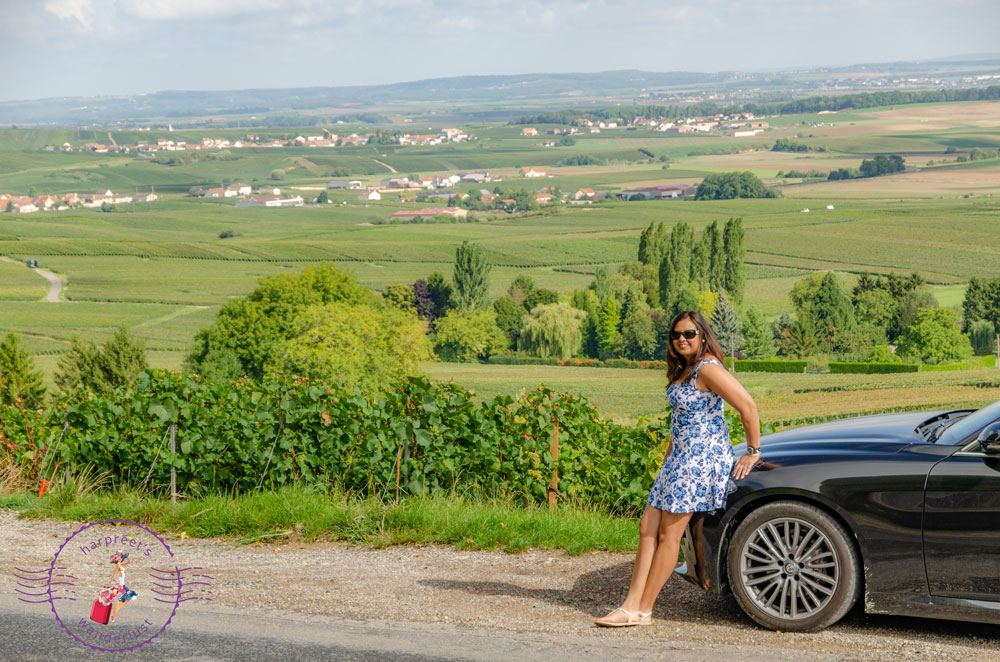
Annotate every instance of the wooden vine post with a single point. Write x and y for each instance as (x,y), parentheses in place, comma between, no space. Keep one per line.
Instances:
(554,486)
(173,469)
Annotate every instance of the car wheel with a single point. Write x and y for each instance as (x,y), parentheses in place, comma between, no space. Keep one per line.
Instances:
(793,568)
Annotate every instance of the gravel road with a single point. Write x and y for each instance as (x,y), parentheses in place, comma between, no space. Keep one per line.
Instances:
(535,594)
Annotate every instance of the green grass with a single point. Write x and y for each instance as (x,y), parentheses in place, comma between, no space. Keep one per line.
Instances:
(277,517)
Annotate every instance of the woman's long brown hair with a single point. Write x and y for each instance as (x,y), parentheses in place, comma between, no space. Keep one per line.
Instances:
(678,369)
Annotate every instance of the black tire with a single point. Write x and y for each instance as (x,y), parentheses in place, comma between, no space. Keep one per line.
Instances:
(794,568)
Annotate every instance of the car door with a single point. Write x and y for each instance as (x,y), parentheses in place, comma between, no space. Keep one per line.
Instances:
(962,525)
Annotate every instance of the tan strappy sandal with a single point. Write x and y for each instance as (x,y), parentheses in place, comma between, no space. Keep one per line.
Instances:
(637,615)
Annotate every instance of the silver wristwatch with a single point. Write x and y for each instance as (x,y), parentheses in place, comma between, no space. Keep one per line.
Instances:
(753,451)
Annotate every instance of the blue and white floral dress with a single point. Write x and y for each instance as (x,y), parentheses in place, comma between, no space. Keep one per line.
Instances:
(695,474)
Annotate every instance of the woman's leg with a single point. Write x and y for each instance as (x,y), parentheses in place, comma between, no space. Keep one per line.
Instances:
(649,527)
(665,559)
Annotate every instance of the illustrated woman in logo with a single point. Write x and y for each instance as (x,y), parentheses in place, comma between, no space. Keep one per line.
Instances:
(126,595)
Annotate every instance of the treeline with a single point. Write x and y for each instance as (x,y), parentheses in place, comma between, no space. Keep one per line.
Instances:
(732,185)
(880,165)
(807,105)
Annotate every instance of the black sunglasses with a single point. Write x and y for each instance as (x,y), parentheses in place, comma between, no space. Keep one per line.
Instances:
(689,334)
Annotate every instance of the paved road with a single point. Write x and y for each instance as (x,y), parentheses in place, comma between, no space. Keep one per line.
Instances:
(56,283)
(227,634)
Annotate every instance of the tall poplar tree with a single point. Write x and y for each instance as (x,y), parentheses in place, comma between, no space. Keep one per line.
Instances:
(716,256)
(733,273)
(608,329)
(471,276)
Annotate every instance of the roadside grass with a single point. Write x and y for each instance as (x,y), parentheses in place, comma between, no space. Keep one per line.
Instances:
(297,513)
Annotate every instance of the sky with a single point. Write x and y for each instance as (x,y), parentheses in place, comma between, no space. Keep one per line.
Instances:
(55,48)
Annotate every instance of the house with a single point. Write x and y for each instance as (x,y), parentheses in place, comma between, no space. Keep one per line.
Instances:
(531,172)
(25,208)
(744,133)
(480,177)
(45,202)
(664,192)
(269,190)
(681,128)
(529,131)
(370,194)
(213,193)
(70,199)
(66,147)
(428,182)
(429,212)
(344,183)
(543,198)
(270,201)
(146,197)
(238,189)
(584,194)
(594,129)
(442,194)
(399,182)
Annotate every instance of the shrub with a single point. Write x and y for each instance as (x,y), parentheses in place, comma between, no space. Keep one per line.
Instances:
(853,367)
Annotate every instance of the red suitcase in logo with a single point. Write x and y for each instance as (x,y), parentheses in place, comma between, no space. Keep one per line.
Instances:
(100,613)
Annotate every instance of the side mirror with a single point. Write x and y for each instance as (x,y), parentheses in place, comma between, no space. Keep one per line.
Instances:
(989,439)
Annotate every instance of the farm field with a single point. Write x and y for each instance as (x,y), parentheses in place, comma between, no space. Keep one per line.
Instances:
(163,269)
(630,394)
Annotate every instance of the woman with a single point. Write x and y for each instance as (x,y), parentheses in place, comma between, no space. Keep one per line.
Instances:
(696,470)
(126,595)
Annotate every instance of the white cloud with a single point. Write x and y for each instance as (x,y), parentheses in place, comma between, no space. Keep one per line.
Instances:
(82,11)
(169,10)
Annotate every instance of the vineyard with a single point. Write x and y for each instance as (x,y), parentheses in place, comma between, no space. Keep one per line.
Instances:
(423,438)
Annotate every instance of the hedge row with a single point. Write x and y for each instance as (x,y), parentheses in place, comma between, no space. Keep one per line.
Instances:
(741,364)
(423,437)
(971,364)
(842,367)
(768,366)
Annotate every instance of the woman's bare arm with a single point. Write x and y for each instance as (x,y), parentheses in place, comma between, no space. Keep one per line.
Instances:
(718,380)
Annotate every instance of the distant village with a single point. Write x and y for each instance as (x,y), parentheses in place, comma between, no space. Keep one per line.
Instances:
(26,204)
(736,124)
(327,139)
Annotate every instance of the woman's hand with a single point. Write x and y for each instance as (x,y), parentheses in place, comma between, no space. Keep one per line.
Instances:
(744,465)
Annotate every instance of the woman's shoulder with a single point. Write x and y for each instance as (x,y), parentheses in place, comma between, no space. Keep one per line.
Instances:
(710,359)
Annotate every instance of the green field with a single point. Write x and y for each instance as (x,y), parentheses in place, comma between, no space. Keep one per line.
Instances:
(162,268)
(631,395)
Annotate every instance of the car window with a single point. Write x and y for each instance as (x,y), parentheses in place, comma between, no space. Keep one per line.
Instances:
(964,428)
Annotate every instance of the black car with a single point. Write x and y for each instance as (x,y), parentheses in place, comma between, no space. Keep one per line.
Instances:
(902,509)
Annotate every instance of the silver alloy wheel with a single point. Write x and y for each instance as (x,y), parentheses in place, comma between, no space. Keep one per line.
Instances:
(789,568)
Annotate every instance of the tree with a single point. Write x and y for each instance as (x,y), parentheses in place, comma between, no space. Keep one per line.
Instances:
(322,198)
(122,358)
(759,344)
(80,365)
(277,175)
(601,284)
(707,301)
(982,301)
(716,255)
(733,271)
(648,277)
(730,185)
(726,326)
(876,307)
(914,301)
(521,287)
(799,340)
(822,300)
(607,332)
(934,336)
(638,337)
(468,335)
(400,296)
(510,317)
(681,246)
(587,301)
(982,336)
(552,331)
(441,292)
(19,381)
(256,327)
(471,276)
(540,296)
(423,301)
(356,345)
